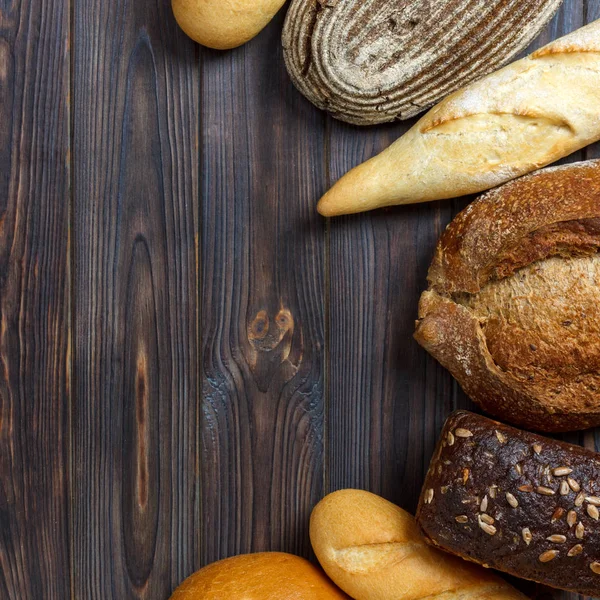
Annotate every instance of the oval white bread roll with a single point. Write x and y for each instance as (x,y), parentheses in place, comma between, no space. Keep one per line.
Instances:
(260,576)
(224,24)
(373,550)
(522,117)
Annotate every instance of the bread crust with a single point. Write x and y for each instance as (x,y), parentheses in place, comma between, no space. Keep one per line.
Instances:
(373,550)
(372,61)
(224,24)
(513,305)
(259,576)
(514,501)
(512,122)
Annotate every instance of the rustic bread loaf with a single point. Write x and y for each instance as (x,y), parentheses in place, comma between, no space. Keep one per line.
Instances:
(260,576)
(513,306)
(373,550)
(224,24)
(379,60)
(515,501)
(514,121)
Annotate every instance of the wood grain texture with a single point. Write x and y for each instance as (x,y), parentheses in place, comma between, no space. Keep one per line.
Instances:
(263,303)
(34,300)
(135,153)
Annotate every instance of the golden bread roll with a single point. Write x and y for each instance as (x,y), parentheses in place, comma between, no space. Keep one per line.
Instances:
(224,24)
(373,550)
(260,576)
(522,117)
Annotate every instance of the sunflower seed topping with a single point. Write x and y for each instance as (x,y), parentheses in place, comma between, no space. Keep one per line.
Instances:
(519,469)
(579,531)
(575,550)
(429,496)
(527,537)
(526,488)
(595,567)
(492,491)
(465,476)
(545,491)
(579,499)
(461,519)
(557,538)
(484,504)
(571,518)
(501,437)
(573,484)
(557,514)
(592,511)
(548,556)
(593,500)
(511,500)
(450,439)
(463,433)
(537,448)
(564,488)
(489,529)
(487,519)
(561,471)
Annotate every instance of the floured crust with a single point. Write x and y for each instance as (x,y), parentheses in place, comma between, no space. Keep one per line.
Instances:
(379,60)
(513,308)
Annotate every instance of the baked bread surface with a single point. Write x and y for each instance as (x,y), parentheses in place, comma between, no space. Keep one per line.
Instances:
(515,501)
(259,576)
(373,550)
(518,119)
(513,305)
(373,61)
(224,24)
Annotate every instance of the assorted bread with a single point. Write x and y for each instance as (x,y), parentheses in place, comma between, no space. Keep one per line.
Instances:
(514,289)
(260,576)
(373,61)
(523,117)
(516,502)
(224,24)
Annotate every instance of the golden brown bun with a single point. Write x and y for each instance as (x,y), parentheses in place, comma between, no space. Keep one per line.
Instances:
(373,550)
(261,576)
(527,115)
(513,306)
(224,24)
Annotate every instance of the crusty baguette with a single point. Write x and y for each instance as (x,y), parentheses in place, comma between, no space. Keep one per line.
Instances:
(514,289)
(511,122)
(515,501)
(371,61)
(373,550)
(224,24)
(259,576)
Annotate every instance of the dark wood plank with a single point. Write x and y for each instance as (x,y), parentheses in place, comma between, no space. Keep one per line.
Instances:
(263,303)
(34,300)
(388,398)
(135,153)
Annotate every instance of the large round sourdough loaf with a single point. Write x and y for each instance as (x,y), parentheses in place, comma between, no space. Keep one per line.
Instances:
(513,306)
(372,61)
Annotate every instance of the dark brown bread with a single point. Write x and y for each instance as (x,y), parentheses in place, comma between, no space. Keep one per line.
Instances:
(515,501)
(513,306)
(371,61)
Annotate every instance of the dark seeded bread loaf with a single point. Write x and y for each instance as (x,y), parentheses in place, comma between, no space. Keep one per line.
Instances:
(513,305)
(516,502)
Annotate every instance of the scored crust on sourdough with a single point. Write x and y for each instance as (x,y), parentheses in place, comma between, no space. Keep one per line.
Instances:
(513,305)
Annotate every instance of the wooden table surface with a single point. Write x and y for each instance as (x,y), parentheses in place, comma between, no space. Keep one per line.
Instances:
(190,357)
